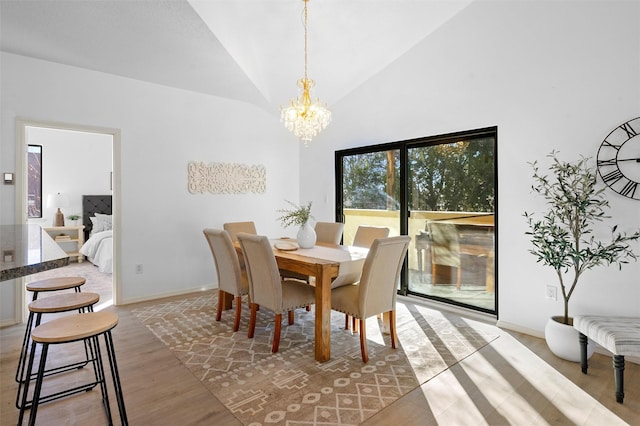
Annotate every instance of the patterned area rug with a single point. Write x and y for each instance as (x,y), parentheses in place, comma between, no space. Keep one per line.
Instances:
(290,387)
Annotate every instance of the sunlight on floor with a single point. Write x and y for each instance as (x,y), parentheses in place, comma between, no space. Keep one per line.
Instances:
(506,383)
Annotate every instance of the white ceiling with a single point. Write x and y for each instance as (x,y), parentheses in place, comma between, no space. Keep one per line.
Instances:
(247,50)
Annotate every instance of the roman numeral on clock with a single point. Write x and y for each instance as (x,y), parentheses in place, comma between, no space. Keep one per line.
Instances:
(607,143)
(612,177)
(630,130)
(629,190)
(611,162)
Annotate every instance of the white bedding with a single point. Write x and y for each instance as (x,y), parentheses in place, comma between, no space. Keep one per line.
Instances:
(99,250)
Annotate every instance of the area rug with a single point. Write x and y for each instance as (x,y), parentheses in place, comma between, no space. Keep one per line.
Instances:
(290,387)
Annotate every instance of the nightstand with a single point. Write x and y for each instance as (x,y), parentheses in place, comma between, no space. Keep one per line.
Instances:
(69,238)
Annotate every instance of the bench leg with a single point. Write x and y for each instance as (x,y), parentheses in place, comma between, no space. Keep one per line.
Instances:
(583,352)
(618,376)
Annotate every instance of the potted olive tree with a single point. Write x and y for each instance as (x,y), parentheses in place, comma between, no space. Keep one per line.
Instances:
(563,237)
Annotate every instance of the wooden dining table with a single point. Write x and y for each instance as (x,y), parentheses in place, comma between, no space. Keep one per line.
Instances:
(322,262)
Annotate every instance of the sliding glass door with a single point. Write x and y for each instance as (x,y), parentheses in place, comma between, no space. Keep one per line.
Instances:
(441,191)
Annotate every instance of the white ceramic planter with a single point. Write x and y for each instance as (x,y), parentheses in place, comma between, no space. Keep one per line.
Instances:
(306,236)
(562,340)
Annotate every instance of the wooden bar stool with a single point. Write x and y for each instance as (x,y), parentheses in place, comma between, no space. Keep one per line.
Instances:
(55,284)
(41,286)
(48,305)
(80,327)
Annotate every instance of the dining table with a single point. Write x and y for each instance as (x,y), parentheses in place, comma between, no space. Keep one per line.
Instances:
(325,262)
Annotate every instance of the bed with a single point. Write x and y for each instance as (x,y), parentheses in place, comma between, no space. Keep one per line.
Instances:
(98,232)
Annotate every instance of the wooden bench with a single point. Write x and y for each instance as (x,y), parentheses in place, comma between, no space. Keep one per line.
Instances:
(619,335)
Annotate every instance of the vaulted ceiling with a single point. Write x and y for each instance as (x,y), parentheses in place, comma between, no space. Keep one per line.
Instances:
(245,50)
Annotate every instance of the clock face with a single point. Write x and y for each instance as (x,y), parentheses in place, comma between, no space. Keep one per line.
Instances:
(619,159)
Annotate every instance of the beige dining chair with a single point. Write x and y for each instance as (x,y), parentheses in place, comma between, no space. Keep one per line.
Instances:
(230,277)
(366,234)
(234,228)
(376,291)
(267,289)
(329,232)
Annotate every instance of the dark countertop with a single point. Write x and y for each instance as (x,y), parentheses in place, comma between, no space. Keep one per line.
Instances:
(27,249)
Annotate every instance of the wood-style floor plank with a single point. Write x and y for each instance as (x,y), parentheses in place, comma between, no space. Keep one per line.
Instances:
(513,380)
(158,388)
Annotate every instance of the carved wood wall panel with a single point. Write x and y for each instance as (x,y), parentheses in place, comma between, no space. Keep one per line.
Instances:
(226,178)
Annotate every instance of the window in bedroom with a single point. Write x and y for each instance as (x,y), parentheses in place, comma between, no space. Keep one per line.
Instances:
(34,181)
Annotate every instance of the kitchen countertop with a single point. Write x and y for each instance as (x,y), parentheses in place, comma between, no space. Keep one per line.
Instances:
(27,249)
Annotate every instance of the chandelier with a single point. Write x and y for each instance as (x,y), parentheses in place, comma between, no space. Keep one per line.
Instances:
(305,117)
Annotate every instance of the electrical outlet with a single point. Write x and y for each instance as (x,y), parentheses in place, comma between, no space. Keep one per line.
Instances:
(139,268)
(551,292)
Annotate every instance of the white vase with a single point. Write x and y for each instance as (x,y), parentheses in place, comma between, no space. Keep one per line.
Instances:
(562,340)
(306,236)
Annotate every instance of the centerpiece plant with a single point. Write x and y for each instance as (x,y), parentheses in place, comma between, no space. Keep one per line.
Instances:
(563,237)
(299,215)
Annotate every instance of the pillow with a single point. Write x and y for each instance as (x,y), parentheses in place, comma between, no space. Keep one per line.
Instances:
(101,222)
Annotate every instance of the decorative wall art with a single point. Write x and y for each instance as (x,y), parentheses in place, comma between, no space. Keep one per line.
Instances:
(226,178)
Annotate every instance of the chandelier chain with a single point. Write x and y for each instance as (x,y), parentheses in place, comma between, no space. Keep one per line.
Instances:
(304,116)
(305,37)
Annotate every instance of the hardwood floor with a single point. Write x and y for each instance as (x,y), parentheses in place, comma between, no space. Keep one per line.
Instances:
(514,380)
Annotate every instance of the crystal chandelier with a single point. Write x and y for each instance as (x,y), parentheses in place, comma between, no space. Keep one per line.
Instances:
(305,117)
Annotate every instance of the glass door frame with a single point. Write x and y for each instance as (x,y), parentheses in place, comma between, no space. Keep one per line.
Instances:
(403,148)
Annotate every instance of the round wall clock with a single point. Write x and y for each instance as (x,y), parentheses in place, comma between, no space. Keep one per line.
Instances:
(619,159)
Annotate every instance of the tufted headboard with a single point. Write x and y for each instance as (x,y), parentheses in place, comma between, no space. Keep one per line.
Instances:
(92,204)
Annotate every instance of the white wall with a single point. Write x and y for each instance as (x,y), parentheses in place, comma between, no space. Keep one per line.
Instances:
(550,75)
(74,164)
(162,130)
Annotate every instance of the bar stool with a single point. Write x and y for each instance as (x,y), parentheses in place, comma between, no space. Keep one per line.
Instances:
(55,284)
(53,304)
(79,327)
(41,286)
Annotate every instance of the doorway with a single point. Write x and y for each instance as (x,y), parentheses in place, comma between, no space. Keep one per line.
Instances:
(76,160)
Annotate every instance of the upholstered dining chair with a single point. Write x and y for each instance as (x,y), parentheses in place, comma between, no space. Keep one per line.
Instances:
(366,234)
(376,291)
(234,228)
(329,232)
(230,278)
(364,237)
(266,288)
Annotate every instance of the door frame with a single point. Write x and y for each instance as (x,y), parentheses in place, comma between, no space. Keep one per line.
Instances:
(21,190)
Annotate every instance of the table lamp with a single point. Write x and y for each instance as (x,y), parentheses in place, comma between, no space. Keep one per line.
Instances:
(57,201)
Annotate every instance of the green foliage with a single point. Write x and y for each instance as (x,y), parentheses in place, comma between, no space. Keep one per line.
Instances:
(365,181)
(73,217)
(453,176)
(563,237)
(456,176)
(299,215)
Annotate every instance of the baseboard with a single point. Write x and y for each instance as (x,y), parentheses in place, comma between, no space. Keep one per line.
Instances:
(165,295)
(520,329)
(8,322)
(463,312)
